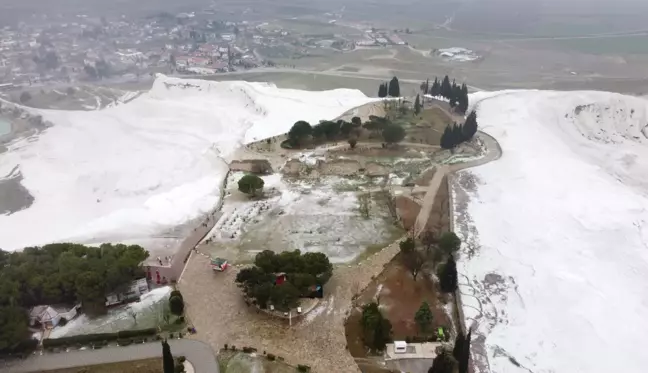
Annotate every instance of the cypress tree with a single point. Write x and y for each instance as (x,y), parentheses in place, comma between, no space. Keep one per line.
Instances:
(446,138)
(457,135)
(425,86)
(470,126)
(446,88)
(436,88)
(458,349)
(382,90)
(462,104)
(456,95)
(417,105)
(168,365)
(464,358)
(448,277)
(443,363)
(394,87)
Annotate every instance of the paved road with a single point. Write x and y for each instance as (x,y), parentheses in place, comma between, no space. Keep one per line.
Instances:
(198,353)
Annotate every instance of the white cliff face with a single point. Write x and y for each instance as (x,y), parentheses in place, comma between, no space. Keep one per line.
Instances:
(556,259)
(127,172)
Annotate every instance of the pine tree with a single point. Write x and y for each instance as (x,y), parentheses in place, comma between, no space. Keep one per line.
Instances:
(448,277)
(417,105)
(446,138)
(168,365)
(446,88)
(423,317)
(470,126)
(394,87)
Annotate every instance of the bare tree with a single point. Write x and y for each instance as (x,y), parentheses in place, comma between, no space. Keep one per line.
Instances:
(414,262)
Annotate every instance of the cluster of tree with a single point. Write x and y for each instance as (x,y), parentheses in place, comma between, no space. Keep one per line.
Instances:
(48,60)
(456,94)
(329,130)
(376,328)
(302,272)
(455,361)
(391,133)
(176,303)
(61,273)
(251,184)
(456,134)
(391,89)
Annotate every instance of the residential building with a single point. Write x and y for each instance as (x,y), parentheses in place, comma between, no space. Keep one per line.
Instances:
(135,290)
(50,316)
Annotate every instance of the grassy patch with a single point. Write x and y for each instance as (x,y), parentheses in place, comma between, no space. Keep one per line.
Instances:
(137,366)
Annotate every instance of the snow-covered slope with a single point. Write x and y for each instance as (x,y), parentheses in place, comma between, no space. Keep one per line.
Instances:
(128,172)
(556,265)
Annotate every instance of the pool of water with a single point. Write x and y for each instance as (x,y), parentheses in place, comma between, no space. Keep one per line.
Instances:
(5,127)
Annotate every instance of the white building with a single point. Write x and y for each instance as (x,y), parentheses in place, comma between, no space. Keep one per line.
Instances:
(136,289)
(50,316)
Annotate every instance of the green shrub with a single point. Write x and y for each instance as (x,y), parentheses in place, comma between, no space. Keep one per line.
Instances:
(175,293)
(124,342)
(303,368)
(271,357)
(79,339)
(249,350)
(136,333)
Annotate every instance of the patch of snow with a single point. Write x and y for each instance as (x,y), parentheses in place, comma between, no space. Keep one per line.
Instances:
(133,171)
(560,274)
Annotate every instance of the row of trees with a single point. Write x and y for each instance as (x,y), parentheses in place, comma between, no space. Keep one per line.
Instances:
(61,273)
(302,272)
(456,94)
(457,133)
(391,89)
(302,131)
